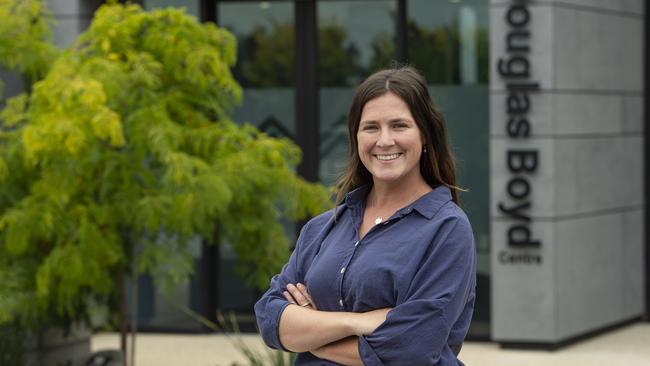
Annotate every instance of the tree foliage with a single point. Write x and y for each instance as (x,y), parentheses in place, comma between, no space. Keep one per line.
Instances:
(125,143)
(24,36)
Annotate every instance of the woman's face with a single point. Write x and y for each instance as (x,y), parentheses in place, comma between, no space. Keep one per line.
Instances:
(389,141)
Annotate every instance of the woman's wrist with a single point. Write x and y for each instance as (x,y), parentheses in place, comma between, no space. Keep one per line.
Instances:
(360,324)
(352,323)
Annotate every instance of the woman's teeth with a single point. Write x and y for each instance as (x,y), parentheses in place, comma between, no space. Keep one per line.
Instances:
(387,156)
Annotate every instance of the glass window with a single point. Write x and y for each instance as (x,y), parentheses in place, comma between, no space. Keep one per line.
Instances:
(191,6)
(265,41)
(448,42)
(351,47)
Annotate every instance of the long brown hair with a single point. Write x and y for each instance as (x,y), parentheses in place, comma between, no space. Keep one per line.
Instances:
(437,164)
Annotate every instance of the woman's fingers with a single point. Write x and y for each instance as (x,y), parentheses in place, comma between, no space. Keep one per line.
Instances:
(303,289)
(287,295)
(298,295)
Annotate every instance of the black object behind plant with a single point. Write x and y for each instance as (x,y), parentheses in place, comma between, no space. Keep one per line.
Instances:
(106,358)
(12,345)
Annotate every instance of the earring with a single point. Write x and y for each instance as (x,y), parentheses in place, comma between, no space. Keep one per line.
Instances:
(424,148)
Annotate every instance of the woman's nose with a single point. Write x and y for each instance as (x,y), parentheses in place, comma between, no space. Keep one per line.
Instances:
(385,138)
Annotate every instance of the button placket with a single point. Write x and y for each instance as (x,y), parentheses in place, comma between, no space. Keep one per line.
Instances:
(343,269)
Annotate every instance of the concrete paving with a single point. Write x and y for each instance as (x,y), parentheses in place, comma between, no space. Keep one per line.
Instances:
(625,346)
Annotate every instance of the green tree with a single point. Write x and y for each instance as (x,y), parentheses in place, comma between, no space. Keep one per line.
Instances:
(121,153)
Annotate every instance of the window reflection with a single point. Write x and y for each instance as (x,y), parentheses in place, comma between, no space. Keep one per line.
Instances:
(265,62)
(356,38)
(265,39)
(448,41)
(191,6)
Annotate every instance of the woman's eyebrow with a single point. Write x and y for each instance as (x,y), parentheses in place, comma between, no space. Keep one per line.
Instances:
(366,122)
(392,120)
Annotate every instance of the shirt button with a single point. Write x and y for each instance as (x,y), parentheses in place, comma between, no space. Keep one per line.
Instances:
(342,269)
(341,302)
(357,243)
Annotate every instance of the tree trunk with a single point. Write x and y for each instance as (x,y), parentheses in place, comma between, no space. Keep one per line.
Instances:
(134,302)
(122,312)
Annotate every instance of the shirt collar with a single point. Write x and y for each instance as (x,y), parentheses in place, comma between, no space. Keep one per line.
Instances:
(427,205)
(357,195)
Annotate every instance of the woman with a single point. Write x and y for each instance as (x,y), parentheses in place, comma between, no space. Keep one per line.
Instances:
(388,276)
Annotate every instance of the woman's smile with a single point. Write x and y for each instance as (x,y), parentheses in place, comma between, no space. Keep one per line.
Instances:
(388,157)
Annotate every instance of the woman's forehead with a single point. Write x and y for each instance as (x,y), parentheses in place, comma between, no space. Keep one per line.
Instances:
(386,106)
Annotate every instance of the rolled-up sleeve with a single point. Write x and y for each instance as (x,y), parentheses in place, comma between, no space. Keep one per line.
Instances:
(271,305)
(416,331)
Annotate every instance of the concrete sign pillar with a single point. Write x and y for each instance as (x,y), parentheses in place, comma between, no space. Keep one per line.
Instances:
(567,197)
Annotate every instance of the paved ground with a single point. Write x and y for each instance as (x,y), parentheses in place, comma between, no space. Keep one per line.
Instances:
(625,346)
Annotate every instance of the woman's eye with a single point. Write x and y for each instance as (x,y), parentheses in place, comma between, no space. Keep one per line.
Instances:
(370,127)
(400,125)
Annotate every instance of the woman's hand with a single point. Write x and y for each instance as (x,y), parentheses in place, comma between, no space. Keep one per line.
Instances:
(297,294)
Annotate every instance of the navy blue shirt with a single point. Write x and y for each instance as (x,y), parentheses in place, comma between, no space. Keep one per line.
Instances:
(421,262)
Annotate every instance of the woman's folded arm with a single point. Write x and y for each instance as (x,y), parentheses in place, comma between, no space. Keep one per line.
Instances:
(303,330)
(344,352)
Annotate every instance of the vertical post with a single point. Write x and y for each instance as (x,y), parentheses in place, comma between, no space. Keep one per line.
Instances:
(124,322)
(210,255)
(209,278)
(402,32)
(306,88)
(208,10)
(134,302)
(646,160)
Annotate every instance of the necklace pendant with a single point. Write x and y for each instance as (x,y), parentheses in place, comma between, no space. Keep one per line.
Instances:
(378,220)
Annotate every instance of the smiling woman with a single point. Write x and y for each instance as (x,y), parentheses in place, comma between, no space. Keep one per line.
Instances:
(388,276)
